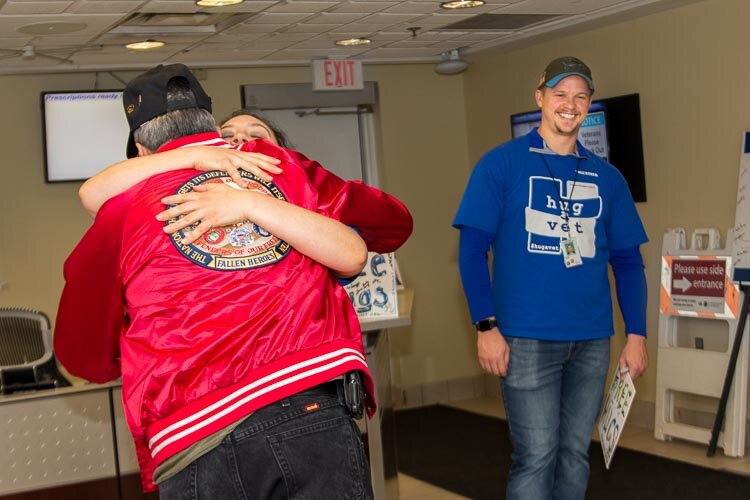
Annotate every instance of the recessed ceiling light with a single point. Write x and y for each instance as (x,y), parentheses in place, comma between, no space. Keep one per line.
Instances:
(145,45)
(350,42)
(217,3)
(462,4)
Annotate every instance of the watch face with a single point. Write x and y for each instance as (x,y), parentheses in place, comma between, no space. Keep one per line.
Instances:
(485,324)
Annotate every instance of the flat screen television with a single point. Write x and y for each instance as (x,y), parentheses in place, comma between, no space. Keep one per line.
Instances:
(612,130)
(84,132)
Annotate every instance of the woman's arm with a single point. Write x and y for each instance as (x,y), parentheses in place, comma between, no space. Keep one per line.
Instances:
(125,174)
(325,240)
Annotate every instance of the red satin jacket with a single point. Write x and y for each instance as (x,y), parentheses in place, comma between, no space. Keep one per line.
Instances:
(204,334)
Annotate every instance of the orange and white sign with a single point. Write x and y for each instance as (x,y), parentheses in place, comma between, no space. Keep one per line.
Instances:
(337,74)
(698,286)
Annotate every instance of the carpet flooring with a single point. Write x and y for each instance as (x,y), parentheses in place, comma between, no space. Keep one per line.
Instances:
(469,454)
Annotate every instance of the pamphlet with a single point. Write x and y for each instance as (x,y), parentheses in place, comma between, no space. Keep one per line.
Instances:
(615,413)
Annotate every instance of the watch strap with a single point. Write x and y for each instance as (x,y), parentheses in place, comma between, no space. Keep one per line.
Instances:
(486,324)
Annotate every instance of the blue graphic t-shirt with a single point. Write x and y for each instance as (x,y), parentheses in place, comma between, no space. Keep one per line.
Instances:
(531,199)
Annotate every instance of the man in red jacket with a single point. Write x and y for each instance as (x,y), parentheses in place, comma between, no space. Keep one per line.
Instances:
(231,345)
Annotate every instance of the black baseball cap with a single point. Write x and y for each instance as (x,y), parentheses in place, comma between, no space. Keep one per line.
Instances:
(564,67)
(145,97)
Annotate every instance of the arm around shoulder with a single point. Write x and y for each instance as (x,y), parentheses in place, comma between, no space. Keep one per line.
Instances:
(126,174)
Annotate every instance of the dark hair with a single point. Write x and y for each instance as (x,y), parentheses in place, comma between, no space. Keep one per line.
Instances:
(281,137)
(175,124)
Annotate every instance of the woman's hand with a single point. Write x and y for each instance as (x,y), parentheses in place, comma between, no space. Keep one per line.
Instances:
(209,205)
(323,239)
(232,161)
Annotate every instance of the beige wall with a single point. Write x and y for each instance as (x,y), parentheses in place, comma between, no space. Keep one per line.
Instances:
(689,67)
(423,160)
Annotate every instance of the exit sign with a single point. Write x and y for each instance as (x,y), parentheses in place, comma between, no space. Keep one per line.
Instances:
(337,74)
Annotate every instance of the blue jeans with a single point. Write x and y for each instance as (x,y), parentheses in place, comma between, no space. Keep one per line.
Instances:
(303,447)
(552,396)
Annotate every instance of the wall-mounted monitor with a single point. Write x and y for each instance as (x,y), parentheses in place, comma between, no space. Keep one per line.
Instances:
(84,132)
(612,130)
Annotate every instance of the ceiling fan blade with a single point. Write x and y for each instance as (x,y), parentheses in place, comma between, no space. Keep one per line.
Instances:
(8,56)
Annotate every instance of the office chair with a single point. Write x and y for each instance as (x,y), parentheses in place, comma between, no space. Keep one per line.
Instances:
(26,358)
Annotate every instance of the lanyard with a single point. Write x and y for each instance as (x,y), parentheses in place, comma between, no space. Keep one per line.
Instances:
(563,206)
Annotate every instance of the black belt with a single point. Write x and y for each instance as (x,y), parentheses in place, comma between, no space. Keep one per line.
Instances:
(330,388)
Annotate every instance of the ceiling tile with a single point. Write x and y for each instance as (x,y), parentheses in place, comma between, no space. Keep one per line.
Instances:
(315,44)
(434,20)
(14,42)
(288,29)
(249,6)
(213,49)
(435,36)
(290,37)
(394,53)
(327,41)
(94,24)
(255,28)
(391,36)
(230,38)
(277,18)
(446,46)
(221,47)
(557,6)
(474,11)
(125,56)
(367,7)
(63,41)
(480,37)
(361,28)
(123,39)
(103,7)
(169,6)
(196,58)
(388,19)
(269,45)
(310,28)
(337,19)
(414,8)
(12,8)
(307,54)
(310,7)
(188,6)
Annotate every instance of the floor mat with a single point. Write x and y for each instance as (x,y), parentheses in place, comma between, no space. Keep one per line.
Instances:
(469,454)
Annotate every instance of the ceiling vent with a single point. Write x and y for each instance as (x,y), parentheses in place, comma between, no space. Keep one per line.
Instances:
(499,22)
(174,23)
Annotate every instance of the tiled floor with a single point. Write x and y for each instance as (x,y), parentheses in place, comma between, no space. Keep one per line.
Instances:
(635,438)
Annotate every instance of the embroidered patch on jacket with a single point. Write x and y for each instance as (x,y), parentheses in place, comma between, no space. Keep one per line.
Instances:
(240,246)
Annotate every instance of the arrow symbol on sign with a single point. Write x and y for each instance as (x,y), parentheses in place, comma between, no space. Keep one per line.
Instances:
(683,284)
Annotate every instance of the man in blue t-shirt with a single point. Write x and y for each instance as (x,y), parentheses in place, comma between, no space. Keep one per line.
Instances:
(555,215)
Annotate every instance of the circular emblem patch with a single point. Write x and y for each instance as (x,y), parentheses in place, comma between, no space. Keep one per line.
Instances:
(240,246)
